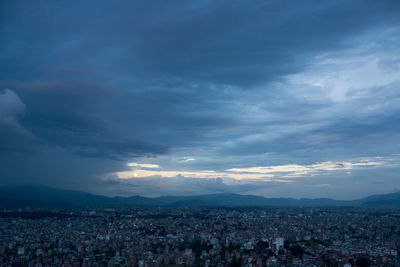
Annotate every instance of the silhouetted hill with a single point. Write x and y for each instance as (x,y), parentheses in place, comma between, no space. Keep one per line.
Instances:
(386,200)
(42,196)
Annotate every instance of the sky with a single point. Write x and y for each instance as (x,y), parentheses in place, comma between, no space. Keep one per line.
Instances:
(271,98)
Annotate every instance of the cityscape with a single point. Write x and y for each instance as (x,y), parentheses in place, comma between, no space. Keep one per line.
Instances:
(200,237)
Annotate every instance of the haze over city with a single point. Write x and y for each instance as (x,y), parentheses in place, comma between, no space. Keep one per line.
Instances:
(154,98)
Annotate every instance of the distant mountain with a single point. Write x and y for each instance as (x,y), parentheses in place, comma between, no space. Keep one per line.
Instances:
(39,195)
(386,200)
(42,196)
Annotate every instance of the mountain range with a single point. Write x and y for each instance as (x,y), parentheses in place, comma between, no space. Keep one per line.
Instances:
(43,196)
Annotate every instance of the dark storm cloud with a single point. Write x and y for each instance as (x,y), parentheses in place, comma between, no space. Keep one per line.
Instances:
(226,42)
(128,79)
(248,43)
(66,114)
(54,166)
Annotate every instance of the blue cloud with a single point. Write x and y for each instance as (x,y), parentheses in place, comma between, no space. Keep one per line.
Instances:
(231,84)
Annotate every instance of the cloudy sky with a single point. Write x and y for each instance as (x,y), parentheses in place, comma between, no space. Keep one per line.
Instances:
(272,98)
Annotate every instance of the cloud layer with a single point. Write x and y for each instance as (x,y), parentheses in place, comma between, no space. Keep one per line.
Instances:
(205,90)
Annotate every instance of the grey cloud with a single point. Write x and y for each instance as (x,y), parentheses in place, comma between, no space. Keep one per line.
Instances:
(117,81)
(246,44)
(179,185)
(10,105)
(226,42)
(68,114)
(390,64)
(13,136)
(55,166)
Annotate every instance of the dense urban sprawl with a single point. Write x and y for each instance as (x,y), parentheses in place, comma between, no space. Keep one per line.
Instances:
(201,237)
